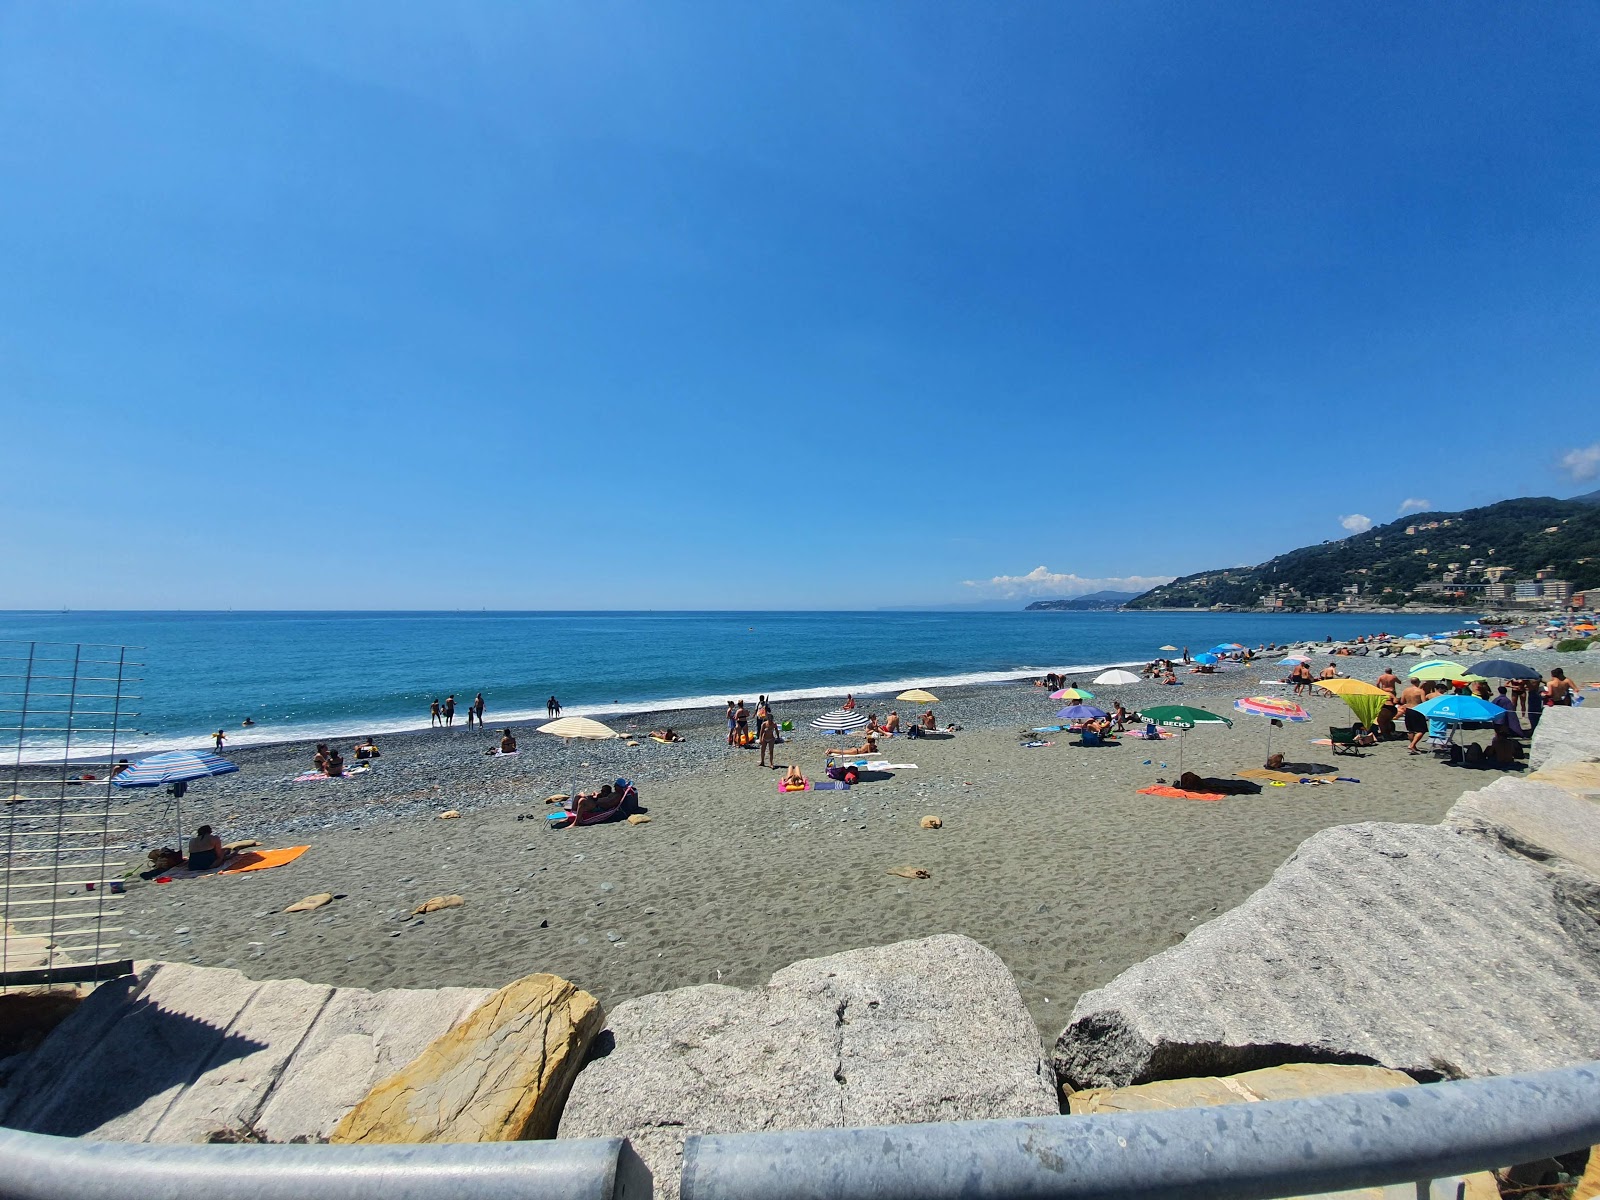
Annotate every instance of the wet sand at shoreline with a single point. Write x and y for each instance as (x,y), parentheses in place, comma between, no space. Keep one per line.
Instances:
(1049,856)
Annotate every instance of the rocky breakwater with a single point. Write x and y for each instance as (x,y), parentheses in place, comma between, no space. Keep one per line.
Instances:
(1462,949)
(928,1030)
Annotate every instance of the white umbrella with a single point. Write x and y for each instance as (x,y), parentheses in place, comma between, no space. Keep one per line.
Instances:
(1117,677)
(569,729)
(840,720)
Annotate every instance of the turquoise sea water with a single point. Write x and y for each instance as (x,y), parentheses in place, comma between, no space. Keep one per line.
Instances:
(298,674)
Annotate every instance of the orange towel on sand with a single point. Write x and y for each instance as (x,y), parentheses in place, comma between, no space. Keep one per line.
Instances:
(1179,793)
(262,860)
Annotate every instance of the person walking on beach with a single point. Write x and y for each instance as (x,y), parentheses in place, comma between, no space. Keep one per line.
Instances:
(217,739)
(1186,654)
(769,742)
(552,708)
(449,712)
(477,708)
(435,714)
(1416,723)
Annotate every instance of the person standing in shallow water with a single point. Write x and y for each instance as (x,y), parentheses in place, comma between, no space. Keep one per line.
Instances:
(552,708)
(217,739)
(449,712)
(435,714)
(477,708)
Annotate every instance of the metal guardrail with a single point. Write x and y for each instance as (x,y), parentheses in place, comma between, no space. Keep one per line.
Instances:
(1232,1152)
(1235,1152)
(36,1167)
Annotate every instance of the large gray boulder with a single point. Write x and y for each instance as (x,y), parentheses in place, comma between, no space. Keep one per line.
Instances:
(1541,821)
(929,1030)
(176,1053)
(1566,734)
(1414,947)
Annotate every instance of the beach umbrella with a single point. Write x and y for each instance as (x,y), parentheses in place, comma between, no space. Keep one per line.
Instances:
(1072,694)
(918,696)
(1182,717)
(1500,668)
(1274,707)
(1414,637)
(1366,706)
(1117,677)
(174,767)
(1205,660)
(1226,647)
(1439,670)
(1349,687)
(1459,710)
(572,729)
(1168,647)
(1294,660)
(1081,712)
(840,720)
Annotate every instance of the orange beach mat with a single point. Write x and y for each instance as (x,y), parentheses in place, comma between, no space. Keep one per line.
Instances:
(263,860)
(1179,793)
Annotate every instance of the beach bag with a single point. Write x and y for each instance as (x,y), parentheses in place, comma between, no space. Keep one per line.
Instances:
(844,774)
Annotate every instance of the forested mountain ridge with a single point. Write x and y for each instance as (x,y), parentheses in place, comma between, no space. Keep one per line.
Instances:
(1439,552)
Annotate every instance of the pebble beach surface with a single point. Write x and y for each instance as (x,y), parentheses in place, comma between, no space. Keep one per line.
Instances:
(1049,855)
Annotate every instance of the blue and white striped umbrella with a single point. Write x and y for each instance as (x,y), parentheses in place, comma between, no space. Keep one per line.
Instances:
(175,766)
(840,720)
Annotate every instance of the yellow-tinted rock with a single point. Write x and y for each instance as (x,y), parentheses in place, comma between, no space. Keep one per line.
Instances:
(638,819)
(1589,1186)
(449,815)
(502,1075)
(435,903)
(310,902)
(1295,1081)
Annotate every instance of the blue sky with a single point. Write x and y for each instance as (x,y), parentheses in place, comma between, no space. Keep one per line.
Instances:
(774,305)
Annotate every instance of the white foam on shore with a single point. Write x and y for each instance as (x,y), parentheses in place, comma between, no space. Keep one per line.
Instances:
(339,730)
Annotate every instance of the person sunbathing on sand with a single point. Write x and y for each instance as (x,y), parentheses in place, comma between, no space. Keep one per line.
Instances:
(367,750)
(1171,678)
(869,746)
(508,743)
(666,735)
(794,779)
(927,720)
(892,725)
(205,850)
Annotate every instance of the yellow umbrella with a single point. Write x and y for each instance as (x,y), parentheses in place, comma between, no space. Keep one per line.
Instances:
(1350,687)
(918,696)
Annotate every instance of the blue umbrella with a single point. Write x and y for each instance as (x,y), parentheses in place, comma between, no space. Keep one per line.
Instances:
(1292,661)
(1205,659)
(1081,712)
(175,766)
(1459,710)
(1413,637)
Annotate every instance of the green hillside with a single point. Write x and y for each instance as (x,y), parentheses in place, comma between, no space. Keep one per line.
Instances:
(1389,564)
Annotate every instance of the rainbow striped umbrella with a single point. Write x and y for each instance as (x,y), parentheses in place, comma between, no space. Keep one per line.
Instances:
(1072,694)
(1274,707)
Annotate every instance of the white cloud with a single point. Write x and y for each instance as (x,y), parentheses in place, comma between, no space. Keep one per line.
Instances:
(1582,463)
(1356,523)
(1414,505)
(1042,581)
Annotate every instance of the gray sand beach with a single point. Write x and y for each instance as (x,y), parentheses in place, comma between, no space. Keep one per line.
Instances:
(1049,855)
